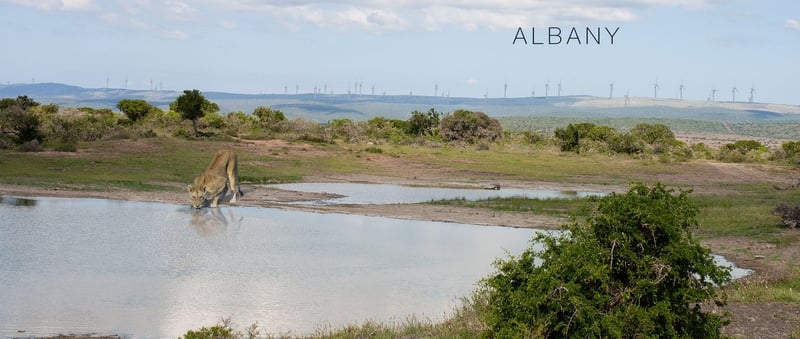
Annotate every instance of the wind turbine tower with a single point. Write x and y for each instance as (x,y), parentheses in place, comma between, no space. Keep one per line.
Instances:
(611,91)
(627,98)
(546,89)
(655,90)
(681,91)
(559,88)
(752,93)
(505,89)
(436,90)
(714,94)
(733,93)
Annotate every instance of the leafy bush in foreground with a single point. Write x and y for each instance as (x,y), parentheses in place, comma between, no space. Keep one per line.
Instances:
(632,269)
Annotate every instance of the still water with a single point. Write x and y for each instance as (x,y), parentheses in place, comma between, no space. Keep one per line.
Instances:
(157,270)
(359,193)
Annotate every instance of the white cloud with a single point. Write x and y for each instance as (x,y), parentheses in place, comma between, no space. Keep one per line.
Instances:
(471,15)
(165,16)
(472,82)
(793,24)
(53,5)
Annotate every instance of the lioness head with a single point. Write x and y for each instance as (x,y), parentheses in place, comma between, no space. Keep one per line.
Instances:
(197,195)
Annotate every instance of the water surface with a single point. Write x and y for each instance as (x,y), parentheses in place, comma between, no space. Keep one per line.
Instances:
(157,270)
(360,193)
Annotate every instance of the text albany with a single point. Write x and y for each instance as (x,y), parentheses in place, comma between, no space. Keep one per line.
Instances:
(554,35)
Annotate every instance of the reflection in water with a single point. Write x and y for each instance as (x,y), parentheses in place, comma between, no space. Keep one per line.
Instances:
(156,270)
(214,221)
(15,201)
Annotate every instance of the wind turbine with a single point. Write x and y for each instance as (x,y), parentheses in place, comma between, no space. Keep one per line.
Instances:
(611,91)
(627,98)
(752,92)
(436,89)
(714,94)
(546,88)
(681,90)
(505,89)
(559,88)
(733,92)
(655,90)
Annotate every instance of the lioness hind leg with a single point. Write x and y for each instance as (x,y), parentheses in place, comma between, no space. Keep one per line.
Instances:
(233,177)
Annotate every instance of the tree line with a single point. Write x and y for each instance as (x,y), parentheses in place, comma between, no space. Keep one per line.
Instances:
(30,126)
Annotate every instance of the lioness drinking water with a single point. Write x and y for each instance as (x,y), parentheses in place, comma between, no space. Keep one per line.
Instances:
(211,184)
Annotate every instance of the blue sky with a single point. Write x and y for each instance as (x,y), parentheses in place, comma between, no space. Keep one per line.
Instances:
(407,46)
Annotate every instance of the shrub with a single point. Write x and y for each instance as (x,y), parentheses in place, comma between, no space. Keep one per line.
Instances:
(31,146)
(569,138)
(423,123)
(344,129)
(532,138)
(626,143)
(135,109)
(742,151)
(373,150)
(267,117)
(631,269)
(653,133)
(468,126)
(19,125)
(791,148)
(744,146)
(789,214)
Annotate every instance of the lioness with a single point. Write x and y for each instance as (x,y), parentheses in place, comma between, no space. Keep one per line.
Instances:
(211,184)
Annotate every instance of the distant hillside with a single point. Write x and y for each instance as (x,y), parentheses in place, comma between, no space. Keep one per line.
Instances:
(324,107)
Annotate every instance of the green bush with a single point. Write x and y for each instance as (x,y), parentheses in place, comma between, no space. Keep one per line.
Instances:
(17,121)
(423,124)
(631,269)
(569,138)
(743,151)
(135,109)
(268,118)
(467,126)
(653,133)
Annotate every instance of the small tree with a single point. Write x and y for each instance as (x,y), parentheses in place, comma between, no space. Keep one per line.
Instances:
(569,138)
(192,105)
(135,109)
(269,117)
(469,126)
(17,120)
(632,269)
(423,123)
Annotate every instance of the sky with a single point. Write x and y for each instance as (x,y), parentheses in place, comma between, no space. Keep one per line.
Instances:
(468,48)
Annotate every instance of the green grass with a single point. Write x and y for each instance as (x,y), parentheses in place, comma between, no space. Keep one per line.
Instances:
(785,289)
(747,212)
(551,207)
(101,165)
(548,164)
